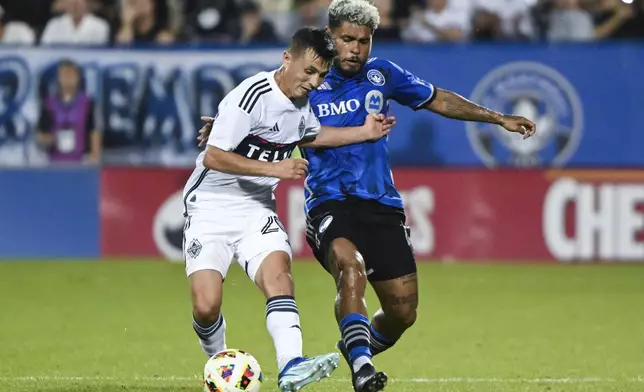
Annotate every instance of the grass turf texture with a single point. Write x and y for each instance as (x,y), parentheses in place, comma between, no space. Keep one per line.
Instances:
(126,326)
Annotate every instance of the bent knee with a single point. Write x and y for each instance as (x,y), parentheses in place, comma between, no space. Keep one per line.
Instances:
(279,283)
(407,318)
(206,310)
(274,275)
(346,260)
(403,316)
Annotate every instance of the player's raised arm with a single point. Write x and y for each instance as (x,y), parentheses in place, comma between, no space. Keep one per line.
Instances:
(451,105)
(416,93)
(375,127)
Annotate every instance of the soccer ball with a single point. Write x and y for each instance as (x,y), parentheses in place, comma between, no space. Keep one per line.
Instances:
(232,371)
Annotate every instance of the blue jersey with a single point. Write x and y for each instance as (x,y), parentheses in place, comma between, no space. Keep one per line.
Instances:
(359,170)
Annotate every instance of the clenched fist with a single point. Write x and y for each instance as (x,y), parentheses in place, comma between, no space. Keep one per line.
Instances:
(291,169)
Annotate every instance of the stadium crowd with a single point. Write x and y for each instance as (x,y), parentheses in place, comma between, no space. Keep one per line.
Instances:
(140,22)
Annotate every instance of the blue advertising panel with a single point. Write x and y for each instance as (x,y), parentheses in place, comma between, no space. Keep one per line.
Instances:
(49,213)
(584,98)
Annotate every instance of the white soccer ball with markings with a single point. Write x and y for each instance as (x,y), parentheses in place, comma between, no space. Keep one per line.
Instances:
(232,371)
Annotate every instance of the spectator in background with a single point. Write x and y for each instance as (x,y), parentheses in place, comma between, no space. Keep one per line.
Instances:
(210,20)
(613,18)
(66,129)
(35,13)
(15,32)
(108,10)
(140,23)
(516,21)
(76,27)
(253,27)
(486,26)
(388,30)
(437,22)
(634,27)
(306,13)
(568,22)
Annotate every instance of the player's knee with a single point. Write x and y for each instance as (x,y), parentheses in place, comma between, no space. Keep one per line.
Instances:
(348,263)
(206,312)
(407,317)
(281,283)
(402,317)
(274,275)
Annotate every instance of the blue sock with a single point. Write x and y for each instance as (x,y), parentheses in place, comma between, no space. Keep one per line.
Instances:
(355,334)
(379,343)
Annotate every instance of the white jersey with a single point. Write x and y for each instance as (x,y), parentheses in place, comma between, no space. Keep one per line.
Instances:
(257,121)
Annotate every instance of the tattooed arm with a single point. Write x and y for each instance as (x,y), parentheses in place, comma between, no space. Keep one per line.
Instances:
(451,105)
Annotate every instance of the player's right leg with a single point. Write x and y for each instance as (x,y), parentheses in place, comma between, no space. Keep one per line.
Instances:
(329,234)
(208,256)
(265,255)
(208,322)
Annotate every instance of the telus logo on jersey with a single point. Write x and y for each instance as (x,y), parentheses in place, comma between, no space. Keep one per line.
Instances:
(539,93)
(255,147)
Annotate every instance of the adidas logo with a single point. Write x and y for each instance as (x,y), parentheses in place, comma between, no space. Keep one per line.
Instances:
(275,128)
(324,86)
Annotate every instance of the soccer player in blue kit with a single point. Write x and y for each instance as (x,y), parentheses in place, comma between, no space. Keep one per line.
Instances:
(355,218)
(356,224)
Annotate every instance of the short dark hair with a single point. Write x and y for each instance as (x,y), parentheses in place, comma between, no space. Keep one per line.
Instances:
(318,40)
(68,63)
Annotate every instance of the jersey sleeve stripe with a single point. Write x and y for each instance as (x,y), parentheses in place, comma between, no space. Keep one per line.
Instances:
(250,89)
(249,97)
(428,100)
(257,95)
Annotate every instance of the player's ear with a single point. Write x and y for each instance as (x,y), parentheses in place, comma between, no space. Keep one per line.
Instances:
(286,58)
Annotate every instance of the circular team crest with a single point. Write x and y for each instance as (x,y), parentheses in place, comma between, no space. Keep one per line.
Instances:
(167,229)
(376,77)
(539,93)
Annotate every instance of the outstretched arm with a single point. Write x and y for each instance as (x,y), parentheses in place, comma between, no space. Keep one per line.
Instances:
(451,105)
(375,127)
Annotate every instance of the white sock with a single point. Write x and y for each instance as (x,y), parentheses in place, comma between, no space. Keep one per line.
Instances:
(283,323)
(211,338)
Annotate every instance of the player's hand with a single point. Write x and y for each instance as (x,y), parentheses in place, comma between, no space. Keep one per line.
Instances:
(291,169)
(204,132)
(377,125)
(518,124)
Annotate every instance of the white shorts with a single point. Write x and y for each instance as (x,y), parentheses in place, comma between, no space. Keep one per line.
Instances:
(211,241)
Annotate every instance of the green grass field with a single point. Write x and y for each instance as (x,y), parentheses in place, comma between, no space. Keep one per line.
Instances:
(126,326)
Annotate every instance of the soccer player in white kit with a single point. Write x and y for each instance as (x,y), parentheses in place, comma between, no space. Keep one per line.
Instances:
(230,205)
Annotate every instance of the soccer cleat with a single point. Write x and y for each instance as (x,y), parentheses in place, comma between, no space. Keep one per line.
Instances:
(300,372)
(367,379)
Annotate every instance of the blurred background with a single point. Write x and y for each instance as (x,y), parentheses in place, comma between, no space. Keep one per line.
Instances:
(145,70)
(504,229)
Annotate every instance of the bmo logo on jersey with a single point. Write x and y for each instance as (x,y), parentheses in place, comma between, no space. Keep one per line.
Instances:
(342,107)
(255,147)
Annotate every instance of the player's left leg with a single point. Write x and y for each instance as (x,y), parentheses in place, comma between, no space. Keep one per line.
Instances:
(265,255)
(399,301)
(391,270)
(395,281)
